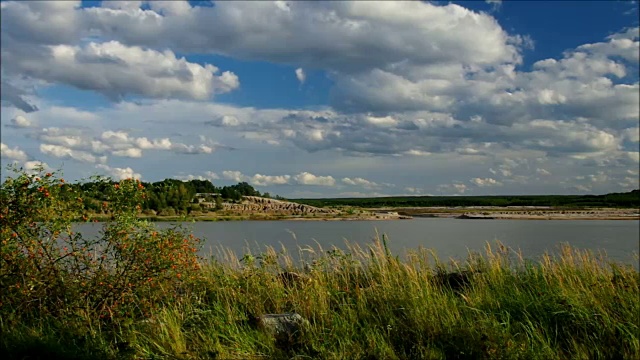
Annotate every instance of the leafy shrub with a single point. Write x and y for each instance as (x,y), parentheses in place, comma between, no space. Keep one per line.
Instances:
(46,268)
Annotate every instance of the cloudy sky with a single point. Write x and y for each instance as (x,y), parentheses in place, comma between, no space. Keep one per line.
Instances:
(314,99)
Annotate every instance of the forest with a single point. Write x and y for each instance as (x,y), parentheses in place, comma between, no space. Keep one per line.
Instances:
(175,197)
(169,196)
(623,200)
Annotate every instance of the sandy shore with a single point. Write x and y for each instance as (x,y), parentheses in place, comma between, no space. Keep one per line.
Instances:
(380,214)
(529,213)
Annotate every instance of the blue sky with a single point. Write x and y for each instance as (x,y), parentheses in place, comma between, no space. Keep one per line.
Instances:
(313,99)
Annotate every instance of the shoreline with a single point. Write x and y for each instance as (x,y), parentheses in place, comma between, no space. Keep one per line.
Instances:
(525,213)
(383,214)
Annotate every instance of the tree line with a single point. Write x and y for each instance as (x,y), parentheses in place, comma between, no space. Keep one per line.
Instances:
(171,196)
(623,200)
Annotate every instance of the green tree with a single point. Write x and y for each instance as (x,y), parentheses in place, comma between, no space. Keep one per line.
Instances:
(218,203)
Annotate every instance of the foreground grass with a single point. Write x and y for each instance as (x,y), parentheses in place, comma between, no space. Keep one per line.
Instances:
(368,304)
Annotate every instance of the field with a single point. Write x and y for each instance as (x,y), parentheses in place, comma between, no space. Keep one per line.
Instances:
(367,304)
(138,292)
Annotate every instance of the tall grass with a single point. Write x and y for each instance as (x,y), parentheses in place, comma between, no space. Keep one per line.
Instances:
(365,303)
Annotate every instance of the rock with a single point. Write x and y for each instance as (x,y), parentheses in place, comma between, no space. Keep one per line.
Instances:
(286,328)
(258,204)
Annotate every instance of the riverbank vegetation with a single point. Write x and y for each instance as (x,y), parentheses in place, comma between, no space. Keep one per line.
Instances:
(629,199)
(172,199)
(137,292)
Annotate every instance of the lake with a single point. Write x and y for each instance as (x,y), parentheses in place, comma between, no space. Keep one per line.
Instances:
(450,238)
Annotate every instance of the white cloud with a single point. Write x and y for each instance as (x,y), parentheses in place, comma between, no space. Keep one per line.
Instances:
(225,120)
(119,173)
(386,121)
(71,138)
(358,181)
(413,41)
(13,154)
(267,180)
(130,153)
(236,176)
(300,75)
(416,152)
(542,172)
(632,134)
(600,177)
(623,44)
(121,144)
(121,5)
(67,153)
(192,149)
(413,190)
(211,175)
(156,144)
(305,178)
(469,151)
(31,166)
(633,156)
(582,188)
(439,80)
(482,182)
(20,122)
(455,188)
(117,70)
(208,175)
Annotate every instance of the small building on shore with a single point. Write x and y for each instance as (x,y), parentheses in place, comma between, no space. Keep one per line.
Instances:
(206,197)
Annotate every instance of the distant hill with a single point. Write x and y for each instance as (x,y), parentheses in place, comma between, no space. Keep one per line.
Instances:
(623,200)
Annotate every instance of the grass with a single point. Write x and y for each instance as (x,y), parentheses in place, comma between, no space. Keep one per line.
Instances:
(366,303)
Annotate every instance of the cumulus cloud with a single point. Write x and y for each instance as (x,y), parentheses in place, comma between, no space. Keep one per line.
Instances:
(236,176)
(12,153)
(156,144)
(454,188)
(305,178)
(122,144)
(413,190)
(300,75)
(208,175)
(78,144)
(413,41)
(130,153)
(67,153)
(623,44)
(358,181)
(31,167)
(192,149)
(482,182)
(117,70)
(632,134)
(416,152)
(224,120)
(119,173)
(544,172)
(440,81)
(20,122)
(267,180)
(121,5)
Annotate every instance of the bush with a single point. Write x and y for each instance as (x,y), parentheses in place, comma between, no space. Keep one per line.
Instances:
(48,269)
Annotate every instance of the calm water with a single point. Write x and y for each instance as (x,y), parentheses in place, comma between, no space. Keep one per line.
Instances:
(448,237)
